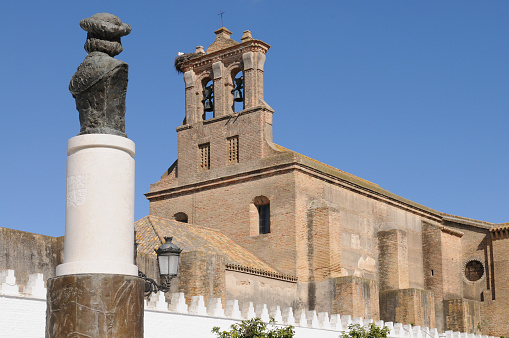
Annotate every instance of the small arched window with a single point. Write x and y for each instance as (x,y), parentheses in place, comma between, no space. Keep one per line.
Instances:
(238,91)
(262,204)
(180,217)
(208,98)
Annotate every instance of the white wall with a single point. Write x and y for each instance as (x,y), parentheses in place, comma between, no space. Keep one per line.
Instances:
(23,315)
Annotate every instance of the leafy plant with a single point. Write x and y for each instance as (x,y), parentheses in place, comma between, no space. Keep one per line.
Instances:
(373,331)
(482,324)
(255,328)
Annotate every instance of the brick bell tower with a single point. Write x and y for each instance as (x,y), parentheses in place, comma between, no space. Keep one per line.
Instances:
(227,121)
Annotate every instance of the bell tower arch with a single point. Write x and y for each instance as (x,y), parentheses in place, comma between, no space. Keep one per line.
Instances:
(225,108)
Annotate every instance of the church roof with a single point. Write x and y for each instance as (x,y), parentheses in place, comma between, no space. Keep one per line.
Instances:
(151,230)
(360,182)
(281,148)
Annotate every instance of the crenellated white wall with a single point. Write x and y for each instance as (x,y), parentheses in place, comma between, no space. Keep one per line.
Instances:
(23,314)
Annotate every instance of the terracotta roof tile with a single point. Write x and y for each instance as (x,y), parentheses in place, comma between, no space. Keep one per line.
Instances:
(151,230)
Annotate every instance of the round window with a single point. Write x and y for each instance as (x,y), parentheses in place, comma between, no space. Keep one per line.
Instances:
(474,270)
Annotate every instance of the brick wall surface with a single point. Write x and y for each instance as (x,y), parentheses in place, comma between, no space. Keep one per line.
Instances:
(357,297)
(408,306)
(462,315)
(228,208)
(251,128)
(433,268)
(393,259)
(475,244)
(452,265)
(497,310)
(202,274)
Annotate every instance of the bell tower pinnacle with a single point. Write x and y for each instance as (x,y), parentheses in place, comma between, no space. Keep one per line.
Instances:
(227,121)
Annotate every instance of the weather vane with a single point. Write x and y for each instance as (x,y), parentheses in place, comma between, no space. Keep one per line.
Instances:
(221,14)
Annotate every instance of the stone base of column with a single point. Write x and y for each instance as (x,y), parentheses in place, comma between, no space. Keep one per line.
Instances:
(94,305)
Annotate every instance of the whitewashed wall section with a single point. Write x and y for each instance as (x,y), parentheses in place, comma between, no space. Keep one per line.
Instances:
(23,314)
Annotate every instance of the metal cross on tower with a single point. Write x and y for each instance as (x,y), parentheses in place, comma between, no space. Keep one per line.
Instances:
(221,14)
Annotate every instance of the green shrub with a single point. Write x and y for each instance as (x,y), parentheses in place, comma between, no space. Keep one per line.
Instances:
(255,328)
(358,331)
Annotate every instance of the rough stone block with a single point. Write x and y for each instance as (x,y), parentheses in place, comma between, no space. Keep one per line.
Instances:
(95,305)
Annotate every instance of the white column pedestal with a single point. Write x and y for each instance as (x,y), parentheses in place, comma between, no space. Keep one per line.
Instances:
(99,209)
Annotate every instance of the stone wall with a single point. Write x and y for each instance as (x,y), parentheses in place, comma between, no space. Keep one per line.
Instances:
(28,253)
(261,290)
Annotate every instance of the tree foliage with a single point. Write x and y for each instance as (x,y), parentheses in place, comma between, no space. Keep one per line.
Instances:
(373,331)
(255,328)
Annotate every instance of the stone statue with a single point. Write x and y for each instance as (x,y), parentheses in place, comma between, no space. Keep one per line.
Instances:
(100,83)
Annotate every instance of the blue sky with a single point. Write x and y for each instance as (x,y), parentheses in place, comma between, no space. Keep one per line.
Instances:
(411,95)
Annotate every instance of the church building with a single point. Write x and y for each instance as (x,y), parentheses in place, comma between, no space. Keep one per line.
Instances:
(259,221)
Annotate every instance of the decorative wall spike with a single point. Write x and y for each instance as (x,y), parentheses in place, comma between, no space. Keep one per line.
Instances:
(262,312)
(301,319)
(8,284)
(335,322)
(390,325)
(178,303)
(346,320)
(35,286)
(288,317)
(398,329)
(323,320)
(313,320)
(215,307)
(407,331)
(233,310)
(276,314)
(357,321)
(198,306)
(157,301)
(366,322)
(248,311)
(416,330)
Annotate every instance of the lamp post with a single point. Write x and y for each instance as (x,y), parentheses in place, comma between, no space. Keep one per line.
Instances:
(168,255)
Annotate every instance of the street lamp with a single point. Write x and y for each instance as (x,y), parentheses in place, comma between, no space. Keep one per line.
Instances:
(168,255)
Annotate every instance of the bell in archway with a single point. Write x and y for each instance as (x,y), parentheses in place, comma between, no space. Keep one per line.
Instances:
(208,92)
(237,97)
(237,90)
(208,105)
